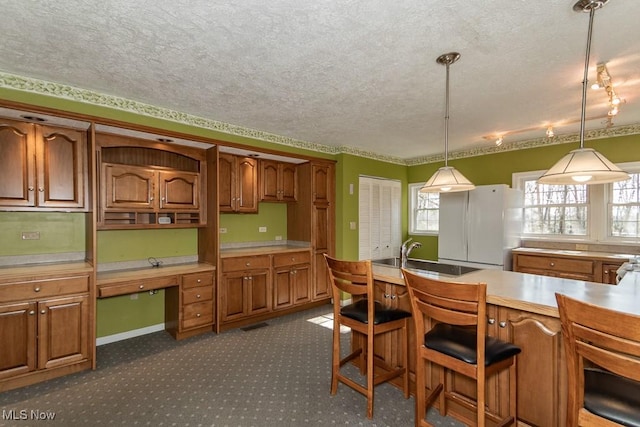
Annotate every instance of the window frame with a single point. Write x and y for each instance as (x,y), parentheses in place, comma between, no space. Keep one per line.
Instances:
(599,196)
(414,189)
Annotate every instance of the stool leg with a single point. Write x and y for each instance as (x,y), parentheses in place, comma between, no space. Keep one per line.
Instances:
(405,358)
(335,358)
(370,372)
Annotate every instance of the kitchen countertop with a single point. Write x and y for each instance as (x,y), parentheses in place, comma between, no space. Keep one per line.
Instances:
(261,250)
(118,276)
(535,293)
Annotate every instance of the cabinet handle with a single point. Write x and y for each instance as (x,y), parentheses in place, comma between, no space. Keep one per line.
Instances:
(386,295)
(492,321)
(43,311)
(503,324)
(36,289)
(141,287)
(32,312)
(151,198)
(394,296)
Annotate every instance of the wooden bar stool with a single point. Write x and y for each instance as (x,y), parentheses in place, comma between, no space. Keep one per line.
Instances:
(368,317)
(602,349)
(450,322)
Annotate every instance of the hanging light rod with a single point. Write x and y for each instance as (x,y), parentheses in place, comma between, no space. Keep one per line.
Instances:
(447,178)
(584,165)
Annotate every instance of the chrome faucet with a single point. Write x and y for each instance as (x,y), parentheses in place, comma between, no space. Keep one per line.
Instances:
(406,250)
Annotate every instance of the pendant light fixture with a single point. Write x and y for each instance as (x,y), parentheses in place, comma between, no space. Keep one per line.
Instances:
(447,178)
(584,165)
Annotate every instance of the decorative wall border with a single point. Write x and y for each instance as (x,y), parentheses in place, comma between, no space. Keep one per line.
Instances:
(57,90)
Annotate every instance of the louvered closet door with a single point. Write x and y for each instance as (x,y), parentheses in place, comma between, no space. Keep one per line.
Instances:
(380,222)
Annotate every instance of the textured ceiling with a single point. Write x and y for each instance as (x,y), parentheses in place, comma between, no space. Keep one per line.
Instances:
(354,73)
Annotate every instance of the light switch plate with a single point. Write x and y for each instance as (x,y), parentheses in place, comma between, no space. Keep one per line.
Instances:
(262,229)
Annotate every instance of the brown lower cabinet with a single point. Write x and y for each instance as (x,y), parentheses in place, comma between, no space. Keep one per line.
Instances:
(542,383)
(44,329)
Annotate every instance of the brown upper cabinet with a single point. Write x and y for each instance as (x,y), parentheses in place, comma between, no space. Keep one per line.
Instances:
(154,186)
(278,181)
(42,167)
(238,183)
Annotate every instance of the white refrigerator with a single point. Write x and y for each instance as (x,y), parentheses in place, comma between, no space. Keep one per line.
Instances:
(479,228)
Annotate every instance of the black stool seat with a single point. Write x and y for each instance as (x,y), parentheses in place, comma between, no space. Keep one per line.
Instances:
(359,310)
(460,342)
(611,396)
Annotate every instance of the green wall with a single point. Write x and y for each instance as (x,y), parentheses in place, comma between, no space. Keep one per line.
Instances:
(59,232)
(244,227)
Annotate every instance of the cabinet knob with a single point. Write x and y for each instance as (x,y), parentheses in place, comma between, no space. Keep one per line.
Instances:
(141,287)
(36,289)
(492,321)
(31,188)
(606,272)
(552,264)
(40,189)
(248,264)
(198,315)
(43,311)
(293,258)
(386,295)
(394,296)
(503,324)
(199,280)
(32,312)
(198,296)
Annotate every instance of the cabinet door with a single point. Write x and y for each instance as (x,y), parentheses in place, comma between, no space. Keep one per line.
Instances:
(301,283)
(247,197)
(131,187)
(18,338)
(179,190)
(282,287)
(60,160)
(63,331)
(288,182)
(320,281)
(226,182)
(541,367)
(259,292)
(269,181)
(17,164)
(321,184)
(609,273)
(233,294)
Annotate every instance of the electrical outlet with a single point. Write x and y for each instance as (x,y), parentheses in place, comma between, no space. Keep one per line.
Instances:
(262,229)
(223,230)
(581,247)
(133,296)
(30,235)
(278,237)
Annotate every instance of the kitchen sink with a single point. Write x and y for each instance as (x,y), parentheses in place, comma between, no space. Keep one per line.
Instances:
(417,264)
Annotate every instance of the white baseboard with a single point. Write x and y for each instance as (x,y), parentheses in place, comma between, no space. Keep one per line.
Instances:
(129,334)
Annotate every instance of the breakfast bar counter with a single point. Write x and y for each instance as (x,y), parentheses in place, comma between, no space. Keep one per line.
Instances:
(521,309)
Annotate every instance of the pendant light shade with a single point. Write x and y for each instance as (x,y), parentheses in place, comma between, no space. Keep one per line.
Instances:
(584,165)
(447,178)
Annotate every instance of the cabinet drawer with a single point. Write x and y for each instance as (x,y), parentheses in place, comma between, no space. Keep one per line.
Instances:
(198,314)
(201,293)
(583,266)
(137,286)
(43,288)
(197,279)
(291,258)
(245,263)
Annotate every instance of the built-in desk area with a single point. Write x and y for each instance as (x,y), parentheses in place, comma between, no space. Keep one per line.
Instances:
(189,297)
(521,309)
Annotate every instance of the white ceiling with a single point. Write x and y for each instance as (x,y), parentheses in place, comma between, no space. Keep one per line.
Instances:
(354,73)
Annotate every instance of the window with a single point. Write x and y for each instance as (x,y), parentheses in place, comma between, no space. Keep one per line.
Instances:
(423,211)
(624,208)
(607,212)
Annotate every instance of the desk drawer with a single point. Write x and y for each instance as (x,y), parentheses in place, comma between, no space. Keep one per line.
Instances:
(291,258)
(38,289)
(201,293)
(140,285)
(245,263)
(198,314)
(197,279)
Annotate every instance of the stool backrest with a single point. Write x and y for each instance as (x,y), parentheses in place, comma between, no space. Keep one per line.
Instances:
(607,338)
